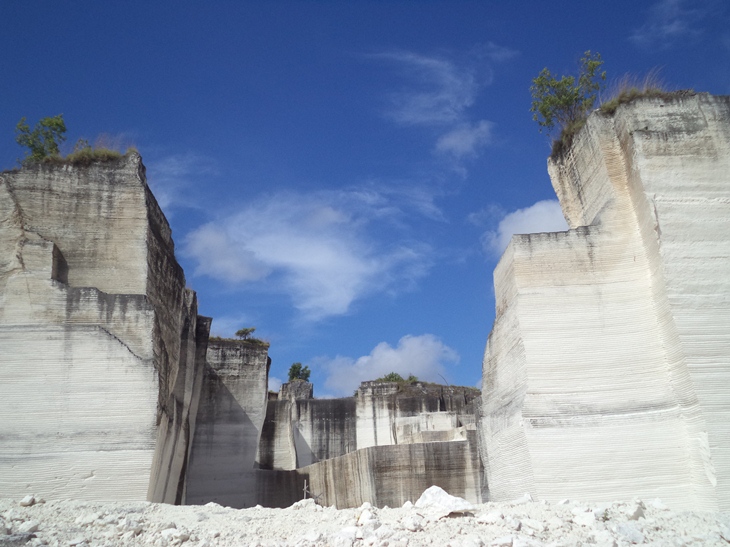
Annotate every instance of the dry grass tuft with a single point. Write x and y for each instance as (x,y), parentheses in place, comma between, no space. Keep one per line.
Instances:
(629,88)
(625,90)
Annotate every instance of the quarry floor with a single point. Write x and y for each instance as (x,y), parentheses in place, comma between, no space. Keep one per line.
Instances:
(77,523)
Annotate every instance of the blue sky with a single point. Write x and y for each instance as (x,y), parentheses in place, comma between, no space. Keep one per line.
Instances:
(341,175)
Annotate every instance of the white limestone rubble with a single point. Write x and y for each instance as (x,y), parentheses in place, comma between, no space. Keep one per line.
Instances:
(607,372)
(306,524)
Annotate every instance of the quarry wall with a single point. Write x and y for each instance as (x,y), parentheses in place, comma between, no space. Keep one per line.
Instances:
(392,475)
(300,431)
(381,475)
(111,390)
(229,422)
(427,436)
(102,348)
(606,373)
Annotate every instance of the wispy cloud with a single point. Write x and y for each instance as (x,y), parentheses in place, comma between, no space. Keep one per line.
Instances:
(226,325)
(439,90)
(173,179)
(436,93)
(325,250)
(275,383)
(397,199)
(543,216)
(668,21)
(424,356)
(465,140)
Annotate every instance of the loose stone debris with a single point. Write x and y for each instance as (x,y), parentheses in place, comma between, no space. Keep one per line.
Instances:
(436,519)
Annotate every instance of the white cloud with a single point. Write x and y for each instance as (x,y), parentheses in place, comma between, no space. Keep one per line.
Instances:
(219,256)
(543,216)
(172,179)
(465,139)
(668,21)
(425,356)
(317,248)
(274,383)
(494,53)
(438,91)
(227,325)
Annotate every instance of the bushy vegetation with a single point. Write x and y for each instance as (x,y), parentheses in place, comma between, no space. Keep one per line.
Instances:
(630,88)
(564,103)
(86,156)
(297,373)
(242,334)
(245,333)
(44,139)
(395,377)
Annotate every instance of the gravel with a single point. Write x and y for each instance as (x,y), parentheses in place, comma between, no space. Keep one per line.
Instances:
(523,524)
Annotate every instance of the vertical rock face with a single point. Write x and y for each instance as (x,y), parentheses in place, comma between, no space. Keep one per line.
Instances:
(100,342)
(606,373)
(385,408)
(229,422)
(392,475)
(276,447)
(301,431)
(408,431)
(296,391)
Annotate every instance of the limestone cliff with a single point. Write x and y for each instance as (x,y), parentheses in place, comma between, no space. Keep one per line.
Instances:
(391,475)
(385,446)
(300,431)
(101,347)
(228,427)
(607,372)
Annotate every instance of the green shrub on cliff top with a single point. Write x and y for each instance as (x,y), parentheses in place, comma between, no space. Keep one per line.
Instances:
(299,373)
(42,142)
(84,154)
(566,102)
(395,377)
(630,88)
(44,139)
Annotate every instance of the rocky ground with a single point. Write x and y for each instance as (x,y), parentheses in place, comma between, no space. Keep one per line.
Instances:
(436,519)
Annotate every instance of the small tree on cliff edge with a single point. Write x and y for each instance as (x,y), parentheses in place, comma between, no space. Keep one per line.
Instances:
(245,334)
(297,372)
(395,377)
(42,142)
(567,102)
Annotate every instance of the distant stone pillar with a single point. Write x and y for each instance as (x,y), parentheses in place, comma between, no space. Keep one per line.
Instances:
(296,390)
(228,428)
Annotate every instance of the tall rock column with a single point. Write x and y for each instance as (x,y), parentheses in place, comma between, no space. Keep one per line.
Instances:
(606,373)
(100,367)
(229,423)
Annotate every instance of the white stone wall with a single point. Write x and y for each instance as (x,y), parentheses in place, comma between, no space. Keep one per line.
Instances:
(228,427)
(298,433)
(91,297)
(605,373)
(392,475)
(82,424)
